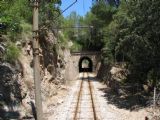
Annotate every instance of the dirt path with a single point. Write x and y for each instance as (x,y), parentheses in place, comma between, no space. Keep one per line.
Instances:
(104,110)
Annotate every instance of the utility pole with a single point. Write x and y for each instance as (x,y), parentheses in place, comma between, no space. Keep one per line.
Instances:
(37,79)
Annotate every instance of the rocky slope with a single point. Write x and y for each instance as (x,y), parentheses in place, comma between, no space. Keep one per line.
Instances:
(17,83)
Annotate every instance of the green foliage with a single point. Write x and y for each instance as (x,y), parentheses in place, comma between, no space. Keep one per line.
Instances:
(26,27)
(104,12)
(12,52)
(49,13)
(76,47)
(69,23)
(12,13)
(71,32)
(62,39)
(101,16)
(91,37)
(133,37)
(26,31)
(114,33)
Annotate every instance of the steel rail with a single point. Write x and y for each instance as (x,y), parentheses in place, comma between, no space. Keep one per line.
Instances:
(78,100)
(92,99)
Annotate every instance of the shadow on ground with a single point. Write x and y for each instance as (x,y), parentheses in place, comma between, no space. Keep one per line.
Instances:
(128,96)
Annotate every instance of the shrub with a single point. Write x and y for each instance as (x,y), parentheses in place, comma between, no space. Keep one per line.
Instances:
(76,47)
(12,53)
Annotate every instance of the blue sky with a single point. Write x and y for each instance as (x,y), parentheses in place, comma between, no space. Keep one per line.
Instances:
(81,6)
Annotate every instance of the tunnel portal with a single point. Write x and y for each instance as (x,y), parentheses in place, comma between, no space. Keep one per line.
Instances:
(85,64)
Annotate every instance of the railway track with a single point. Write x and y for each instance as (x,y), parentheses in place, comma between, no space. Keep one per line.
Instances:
(84,107)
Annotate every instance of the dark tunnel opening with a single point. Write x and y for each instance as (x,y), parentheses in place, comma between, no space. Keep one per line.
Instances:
(85,64)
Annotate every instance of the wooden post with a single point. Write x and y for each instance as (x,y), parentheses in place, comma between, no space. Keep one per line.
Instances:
(37,79)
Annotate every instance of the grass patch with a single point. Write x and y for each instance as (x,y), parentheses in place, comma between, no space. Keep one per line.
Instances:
(12,52)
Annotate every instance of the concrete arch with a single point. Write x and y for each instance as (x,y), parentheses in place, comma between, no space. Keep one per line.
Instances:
(89,69)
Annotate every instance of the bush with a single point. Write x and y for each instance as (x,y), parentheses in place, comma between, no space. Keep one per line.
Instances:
(12,53)
(76,47)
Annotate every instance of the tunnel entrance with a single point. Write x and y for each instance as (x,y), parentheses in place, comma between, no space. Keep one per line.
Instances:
(85,64)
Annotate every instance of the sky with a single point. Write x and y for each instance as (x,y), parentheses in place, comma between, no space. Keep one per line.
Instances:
(81,6)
